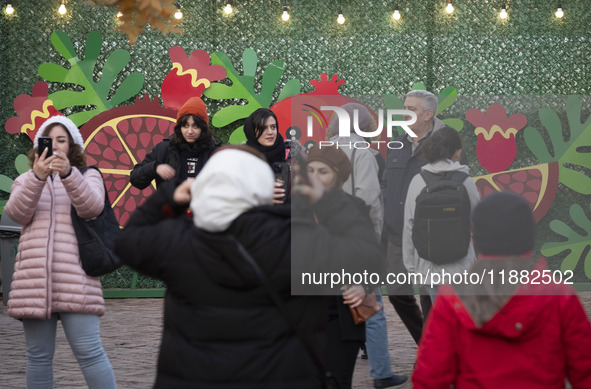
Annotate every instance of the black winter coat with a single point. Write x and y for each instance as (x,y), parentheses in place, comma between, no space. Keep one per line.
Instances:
(164,152)
(221,329)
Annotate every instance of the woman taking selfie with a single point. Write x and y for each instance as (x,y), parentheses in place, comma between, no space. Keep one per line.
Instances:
(48,283)
(181,156)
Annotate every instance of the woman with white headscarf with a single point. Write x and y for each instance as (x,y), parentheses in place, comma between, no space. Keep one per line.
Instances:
(221,328)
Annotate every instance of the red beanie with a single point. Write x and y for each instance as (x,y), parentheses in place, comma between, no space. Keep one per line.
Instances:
(194,106)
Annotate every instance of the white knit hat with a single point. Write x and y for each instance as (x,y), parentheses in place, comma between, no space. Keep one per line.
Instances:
(68,125)
(231,182)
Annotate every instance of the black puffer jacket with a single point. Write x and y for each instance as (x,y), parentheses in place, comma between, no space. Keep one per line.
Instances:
(221,329)
(165,152)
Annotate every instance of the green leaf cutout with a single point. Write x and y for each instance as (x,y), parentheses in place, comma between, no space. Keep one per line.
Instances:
(446,98)
(574,152)
(577,244)
(21,163)
(243,88)
(5,183)
(81,73)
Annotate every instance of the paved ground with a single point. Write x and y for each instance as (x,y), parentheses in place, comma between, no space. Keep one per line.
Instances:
(131,336)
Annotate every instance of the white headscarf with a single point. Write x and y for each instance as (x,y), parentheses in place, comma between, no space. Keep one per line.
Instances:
(231,182)
(68,125)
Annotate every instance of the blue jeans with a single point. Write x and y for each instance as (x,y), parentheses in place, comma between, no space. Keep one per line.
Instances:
(82,332)
(376,343)
(432,290)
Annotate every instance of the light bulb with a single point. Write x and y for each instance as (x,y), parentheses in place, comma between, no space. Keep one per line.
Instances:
(558,13)
(341,18)
(396,14)
(285,14)
(119,14)
(9,9)
(503,14)
(228,8)
(178,14)
(62,9)
(450,8)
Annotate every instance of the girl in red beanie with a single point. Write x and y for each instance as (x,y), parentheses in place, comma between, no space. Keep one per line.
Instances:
(184,154)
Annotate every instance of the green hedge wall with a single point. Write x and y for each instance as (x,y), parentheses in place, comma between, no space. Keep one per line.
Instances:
(530,61)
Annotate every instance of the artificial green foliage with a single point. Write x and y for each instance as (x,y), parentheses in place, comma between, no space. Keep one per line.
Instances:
(571,149)
(243,88)
(521,62)
(576,244)
(82,73)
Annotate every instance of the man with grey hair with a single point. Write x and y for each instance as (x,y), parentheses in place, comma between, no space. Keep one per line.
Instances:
(402,165)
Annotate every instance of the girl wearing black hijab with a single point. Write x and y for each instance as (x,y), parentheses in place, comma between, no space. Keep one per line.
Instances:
(261,130)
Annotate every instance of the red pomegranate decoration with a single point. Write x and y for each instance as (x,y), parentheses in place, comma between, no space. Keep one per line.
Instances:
(301,114)
(117,139)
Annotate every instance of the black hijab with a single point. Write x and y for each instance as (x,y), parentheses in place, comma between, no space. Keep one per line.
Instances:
(273,153)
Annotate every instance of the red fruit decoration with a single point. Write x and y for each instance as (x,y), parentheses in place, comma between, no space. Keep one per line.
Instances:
(496,150)
(537,184)
(496,147)
(33,111)
(117,139)
(189,76)
(293,112)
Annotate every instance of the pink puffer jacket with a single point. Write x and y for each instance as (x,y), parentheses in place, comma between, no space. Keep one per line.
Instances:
(47,275)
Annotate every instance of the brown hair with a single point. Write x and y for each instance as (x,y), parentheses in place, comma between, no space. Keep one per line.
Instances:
(75,154)
(245,148)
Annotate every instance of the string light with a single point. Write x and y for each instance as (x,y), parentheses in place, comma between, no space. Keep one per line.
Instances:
(9,10)
(396,14)
(341,19)
(178,14)
(285,14)
(559,12)
(62,9)
(228,8)
(119,14)
(450,8)
(503,14)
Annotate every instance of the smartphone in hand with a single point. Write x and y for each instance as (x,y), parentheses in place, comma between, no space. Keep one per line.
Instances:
(299,158)
(45,142)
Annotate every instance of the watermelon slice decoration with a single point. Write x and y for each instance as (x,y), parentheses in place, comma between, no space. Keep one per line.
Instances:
(120,137)
(537,184)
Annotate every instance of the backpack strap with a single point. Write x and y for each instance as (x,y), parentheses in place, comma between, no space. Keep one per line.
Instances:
(457,177)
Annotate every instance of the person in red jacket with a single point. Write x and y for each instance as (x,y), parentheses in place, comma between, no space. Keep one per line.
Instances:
(517,327)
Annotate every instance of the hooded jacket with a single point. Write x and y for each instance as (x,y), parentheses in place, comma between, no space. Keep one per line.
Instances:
(47,274)
(499,335)
(412,261)
(221,329)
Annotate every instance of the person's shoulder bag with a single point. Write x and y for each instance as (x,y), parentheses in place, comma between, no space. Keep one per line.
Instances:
(96,238)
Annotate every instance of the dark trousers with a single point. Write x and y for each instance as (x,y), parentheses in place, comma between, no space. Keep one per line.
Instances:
(342,354)
(402,296)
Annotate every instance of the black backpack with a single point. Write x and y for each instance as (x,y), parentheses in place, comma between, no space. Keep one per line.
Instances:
(441,229)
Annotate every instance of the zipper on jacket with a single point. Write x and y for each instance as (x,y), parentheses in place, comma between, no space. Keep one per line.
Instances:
(47,281)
